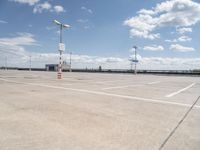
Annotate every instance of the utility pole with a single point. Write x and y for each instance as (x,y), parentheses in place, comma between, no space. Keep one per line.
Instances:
(61,47)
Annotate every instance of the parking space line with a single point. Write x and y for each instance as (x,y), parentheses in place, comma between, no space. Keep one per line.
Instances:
(120,87)
(179,91)
(153,82)
(106,94)
(105,82)
(67,84)
(126,86)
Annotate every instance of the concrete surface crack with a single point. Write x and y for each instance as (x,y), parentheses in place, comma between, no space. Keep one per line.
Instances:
(179,123)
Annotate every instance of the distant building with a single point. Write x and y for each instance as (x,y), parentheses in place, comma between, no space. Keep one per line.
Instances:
(51,67)
(100,68)
(54,67)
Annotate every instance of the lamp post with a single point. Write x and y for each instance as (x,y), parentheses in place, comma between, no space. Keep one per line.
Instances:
(61,47)
(70,62)
(30,63)
(135,47)
(6,64)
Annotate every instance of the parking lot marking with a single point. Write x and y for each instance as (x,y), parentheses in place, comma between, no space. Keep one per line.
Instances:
(106,94)
(125,86)
(121,87)
(105,82)
(179,91)
(153,82)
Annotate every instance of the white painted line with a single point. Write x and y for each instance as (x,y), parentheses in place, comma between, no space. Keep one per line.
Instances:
(153,82)
(107,94)
(182,90)
(67,84)
(121,87)
(10,81)
(125,86)
(110,94)
(104,82)
(70,79)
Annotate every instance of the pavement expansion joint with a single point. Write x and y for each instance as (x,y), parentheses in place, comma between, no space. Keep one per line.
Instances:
(179,123)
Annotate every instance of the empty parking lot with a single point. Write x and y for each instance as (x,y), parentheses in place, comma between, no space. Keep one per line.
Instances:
(93,111)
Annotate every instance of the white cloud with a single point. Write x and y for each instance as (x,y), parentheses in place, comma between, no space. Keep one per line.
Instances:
(154,48)
(147,12)
(50,27)
(19,40)
(87,10)
(142,26)
(144,34)
(180,48)
(184,38)
(132,57)
(161,63)
(184,30)
(2,21)
(83,61)
(82,20)
(171,41)
(175,13)
(18,56)
(14,46)
(39,8)
(30,2)
(109,60)
(59,9)
(86,27)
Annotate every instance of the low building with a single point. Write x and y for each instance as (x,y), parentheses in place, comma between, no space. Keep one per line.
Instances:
(54,67)
(51,67)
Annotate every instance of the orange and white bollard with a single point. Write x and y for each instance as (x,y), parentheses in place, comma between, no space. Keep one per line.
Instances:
(59,76)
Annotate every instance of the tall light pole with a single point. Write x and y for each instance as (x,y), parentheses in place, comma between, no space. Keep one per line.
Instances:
(61,47)
(70,62)
(30,63)
(135,47)
(6,64)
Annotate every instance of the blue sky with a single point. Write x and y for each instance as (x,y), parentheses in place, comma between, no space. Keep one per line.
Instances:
(103,32)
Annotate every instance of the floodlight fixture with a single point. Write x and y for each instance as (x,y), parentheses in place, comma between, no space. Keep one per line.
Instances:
(135,47)
(66,26)
(57,22)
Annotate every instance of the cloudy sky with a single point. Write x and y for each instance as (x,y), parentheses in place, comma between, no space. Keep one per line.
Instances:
(103,33)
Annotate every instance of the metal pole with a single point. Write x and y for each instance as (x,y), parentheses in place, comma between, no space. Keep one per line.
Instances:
(60,59)
(61,26)
(30,63)
(70,62)
(6,63)
(61,47)
(135,59)
(131,65)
